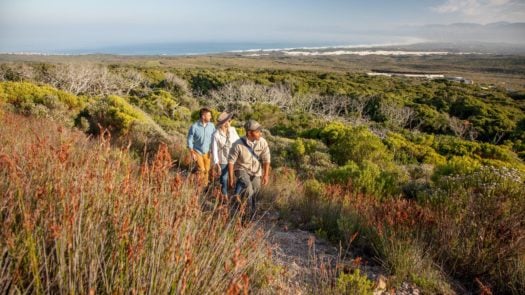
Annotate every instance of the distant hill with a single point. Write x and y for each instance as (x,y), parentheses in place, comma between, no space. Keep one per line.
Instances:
(493,32)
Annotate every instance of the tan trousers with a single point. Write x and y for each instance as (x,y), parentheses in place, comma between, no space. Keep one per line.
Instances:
(204,165)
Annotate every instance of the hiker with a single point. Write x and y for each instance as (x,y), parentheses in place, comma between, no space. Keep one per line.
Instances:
(199,143)
(222,141)
(249,162)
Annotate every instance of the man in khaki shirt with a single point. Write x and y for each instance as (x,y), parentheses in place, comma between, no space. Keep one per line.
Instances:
(249,162)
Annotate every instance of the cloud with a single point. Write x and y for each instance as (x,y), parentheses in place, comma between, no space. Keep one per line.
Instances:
(484,10)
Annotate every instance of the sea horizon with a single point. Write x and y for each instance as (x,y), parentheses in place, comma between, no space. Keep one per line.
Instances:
(203,48)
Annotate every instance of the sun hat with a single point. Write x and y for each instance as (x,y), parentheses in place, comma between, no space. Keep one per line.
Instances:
(223,118)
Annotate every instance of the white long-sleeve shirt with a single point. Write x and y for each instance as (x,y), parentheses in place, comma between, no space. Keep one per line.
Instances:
(221,144)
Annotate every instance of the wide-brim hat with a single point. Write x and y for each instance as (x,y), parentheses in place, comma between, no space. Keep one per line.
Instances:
(223,118)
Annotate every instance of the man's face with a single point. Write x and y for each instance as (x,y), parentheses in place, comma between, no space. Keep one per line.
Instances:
(254,135)
(206,117)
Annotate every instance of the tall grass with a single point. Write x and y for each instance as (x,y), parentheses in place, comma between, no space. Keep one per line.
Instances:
(78,216)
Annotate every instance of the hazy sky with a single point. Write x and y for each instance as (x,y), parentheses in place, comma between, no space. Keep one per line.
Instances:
(70,24)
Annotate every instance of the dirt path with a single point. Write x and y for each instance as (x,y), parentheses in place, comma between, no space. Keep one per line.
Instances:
(308,262)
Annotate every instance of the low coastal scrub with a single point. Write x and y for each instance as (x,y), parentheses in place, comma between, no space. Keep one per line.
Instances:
(424,177)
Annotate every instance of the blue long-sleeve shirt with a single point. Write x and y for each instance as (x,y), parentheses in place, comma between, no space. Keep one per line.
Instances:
(199,137)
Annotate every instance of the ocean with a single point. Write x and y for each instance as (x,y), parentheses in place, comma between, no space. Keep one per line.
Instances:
(192,48)
(198,48)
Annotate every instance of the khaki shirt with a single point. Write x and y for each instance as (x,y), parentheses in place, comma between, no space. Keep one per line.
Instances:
(242,159)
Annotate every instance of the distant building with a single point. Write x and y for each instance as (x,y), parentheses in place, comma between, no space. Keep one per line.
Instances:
(421,75)
(460,80)
(408,75)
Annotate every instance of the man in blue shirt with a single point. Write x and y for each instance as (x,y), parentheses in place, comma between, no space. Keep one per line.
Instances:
(199,143)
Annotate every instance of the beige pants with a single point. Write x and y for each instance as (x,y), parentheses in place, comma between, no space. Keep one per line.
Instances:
(203,164)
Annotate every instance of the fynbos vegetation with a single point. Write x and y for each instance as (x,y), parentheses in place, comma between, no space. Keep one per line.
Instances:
(424,176)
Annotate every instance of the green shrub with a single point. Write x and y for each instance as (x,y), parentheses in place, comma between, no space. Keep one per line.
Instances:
(355,144)
(298,123)
(407,261)
(157,103)
(367,177)
(431,120)
(480,233)
(456,165)
(454,146)
(356,231)
(354,283)
(298,150)
(18,93)
(268,115)
(115,113)
(126,123)
(318,211)
(203,82)
(155,77)
(407,152)
(164,109)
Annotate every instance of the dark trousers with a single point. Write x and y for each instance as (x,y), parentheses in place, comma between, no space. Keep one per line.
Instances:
(248,187)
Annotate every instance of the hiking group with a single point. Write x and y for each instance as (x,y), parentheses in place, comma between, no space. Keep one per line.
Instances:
(242,164)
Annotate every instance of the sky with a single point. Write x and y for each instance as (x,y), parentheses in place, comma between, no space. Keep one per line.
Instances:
(32,25)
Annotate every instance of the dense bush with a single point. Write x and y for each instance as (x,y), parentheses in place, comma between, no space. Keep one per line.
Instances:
(165,109)
(407,152)
(367,177)
(23,93)
(481,235)
(126,123)
(115,113)
(355,144)
(354,283)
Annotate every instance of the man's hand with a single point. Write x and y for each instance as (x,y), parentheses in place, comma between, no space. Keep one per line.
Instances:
(231,175)
(265,179)
(193,155)
(266,173)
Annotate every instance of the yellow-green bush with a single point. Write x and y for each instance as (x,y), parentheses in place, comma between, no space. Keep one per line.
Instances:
(18,93)
(115,113)
(456,165)
(356,144)
(268,115)
(157,103)
(367,177)
(125,121)
(408,152)
(164,109)
(354,283)
(154,76)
